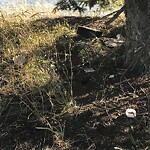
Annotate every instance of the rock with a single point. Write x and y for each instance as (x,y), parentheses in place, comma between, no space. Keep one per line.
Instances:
(19,59)
(88,32)
(112,42)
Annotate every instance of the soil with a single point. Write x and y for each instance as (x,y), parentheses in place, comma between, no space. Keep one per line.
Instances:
(99,121)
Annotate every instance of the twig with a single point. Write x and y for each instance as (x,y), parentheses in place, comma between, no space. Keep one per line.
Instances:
(116,15)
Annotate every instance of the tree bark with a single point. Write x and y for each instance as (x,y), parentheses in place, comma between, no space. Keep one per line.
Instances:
(138,35)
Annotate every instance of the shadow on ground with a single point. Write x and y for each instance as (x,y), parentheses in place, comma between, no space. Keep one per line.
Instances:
(99,121)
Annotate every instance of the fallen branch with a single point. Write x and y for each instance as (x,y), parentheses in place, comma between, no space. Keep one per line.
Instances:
(88,32)
(116,15)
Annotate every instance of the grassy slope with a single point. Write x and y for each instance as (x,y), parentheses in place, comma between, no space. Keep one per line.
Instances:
(49,99)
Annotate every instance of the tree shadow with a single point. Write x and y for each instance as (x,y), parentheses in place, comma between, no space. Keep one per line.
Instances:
(99,122)
(50,23)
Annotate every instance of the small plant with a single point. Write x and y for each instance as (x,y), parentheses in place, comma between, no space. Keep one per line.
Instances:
(134,123)
(59,90)
(58,129)
(30,66)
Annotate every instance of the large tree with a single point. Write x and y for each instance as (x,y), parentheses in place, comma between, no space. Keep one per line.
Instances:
(137,56)
(137,34)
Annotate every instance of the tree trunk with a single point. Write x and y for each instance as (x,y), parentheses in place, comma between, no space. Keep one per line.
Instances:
(138,35)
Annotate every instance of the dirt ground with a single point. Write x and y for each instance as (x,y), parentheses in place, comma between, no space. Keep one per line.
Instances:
(99,122)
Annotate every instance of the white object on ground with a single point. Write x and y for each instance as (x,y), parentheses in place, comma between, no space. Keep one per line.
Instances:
(111,76)
(87,70)
(131,113)
(117,148)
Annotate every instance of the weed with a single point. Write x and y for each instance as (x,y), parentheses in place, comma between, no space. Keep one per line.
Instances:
(46,90)
(36,82)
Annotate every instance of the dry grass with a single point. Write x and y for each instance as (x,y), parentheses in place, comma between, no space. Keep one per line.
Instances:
(20,38)
(28,68)
(41,85)
(36,83)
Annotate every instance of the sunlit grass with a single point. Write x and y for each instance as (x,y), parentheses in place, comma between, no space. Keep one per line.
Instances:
(44,95)
(34,45)
(22,37)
